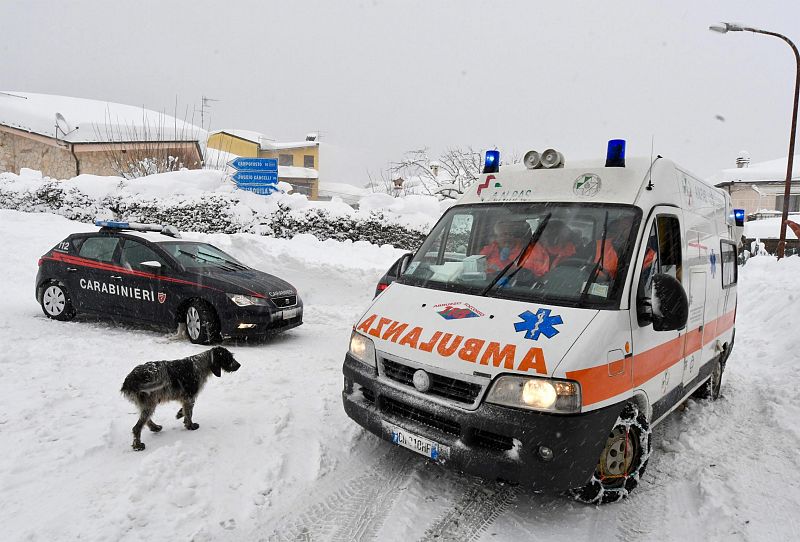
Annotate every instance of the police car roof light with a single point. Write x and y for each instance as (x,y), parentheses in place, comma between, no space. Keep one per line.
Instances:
(111,224)
(135,226)
(615,156)
(492,162)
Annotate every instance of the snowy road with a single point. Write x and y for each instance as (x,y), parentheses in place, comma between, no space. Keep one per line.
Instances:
(276,458)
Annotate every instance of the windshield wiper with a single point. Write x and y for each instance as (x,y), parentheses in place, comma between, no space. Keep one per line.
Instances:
(516,261)
(193,255)
(227,261)
(199,258)
(597,266)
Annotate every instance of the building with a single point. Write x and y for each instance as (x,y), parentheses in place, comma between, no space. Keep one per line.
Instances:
(760,187)
(298,162)
(63,137)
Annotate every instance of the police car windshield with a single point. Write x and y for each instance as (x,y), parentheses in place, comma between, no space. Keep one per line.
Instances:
(555,253)
(201,255)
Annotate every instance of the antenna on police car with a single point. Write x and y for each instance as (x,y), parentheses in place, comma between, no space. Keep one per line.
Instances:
(650,171)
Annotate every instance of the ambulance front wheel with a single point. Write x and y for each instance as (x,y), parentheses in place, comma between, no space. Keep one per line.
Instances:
(56,302)
(201,322)
(622,461)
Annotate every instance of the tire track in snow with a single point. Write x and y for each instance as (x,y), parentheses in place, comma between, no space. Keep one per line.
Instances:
(473,513)
(357,510)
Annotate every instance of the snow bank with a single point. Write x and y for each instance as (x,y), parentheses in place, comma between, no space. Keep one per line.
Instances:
(205,201)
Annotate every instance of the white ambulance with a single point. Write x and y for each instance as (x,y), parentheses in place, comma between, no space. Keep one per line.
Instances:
(550,320)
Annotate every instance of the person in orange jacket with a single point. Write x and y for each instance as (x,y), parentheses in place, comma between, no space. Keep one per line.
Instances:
(553,247)
(510,239)
(616,239)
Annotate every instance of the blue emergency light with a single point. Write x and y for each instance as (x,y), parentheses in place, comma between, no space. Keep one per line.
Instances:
(491,163)
(615,156)
(738,217)
(112,224)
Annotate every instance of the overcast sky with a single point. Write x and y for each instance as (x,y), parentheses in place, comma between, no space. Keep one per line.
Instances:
(378,78)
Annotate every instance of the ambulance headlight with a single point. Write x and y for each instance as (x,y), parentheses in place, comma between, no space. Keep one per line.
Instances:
(543,394)
(247,300)
(362,348)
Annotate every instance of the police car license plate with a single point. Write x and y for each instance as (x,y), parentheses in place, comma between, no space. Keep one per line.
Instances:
(288,314)
(421,445)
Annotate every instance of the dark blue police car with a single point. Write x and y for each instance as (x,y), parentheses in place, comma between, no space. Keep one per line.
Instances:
(147,273)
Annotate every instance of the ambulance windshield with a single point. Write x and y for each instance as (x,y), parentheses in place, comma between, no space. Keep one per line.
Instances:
(560,254)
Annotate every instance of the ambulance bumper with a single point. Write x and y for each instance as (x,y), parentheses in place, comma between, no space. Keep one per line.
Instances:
(493,442)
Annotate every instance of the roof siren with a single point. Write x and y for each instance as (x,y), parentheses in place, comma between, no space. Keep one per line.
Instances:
(532,160)
(551,158)
(615,155)
(492,162)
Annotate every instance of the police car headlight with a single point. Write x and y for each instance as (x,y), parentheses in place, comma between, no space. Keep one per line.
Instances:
(362,348)
(247,300)
(543,394)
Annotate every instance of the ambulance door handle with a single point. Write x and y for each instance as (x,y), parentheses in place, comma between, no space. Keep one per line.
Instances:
(72,269)
(116,277)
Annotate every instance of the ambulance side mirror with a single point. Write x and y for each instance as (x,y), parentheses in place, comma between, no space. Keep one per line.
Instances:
(398,268)
(670,306)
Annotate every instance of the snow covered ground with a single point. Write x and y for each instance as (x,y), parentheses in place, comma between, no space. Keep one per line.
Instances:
(276,458)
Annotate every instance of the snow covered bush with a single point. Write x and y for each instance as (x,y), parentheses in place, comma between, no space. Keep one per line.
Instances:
(202,201)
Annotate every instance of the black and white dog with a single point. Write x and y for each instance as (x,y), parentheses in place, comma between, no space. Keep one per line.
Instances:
(155,382)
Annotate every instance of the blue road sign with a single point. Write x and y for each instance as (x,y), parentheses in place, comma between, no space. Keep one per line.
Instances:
(255,177)
(254,164)
(265,190)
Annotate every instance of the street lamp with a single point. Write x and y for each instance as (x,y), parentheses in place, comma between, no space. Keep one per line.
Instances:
(736,27)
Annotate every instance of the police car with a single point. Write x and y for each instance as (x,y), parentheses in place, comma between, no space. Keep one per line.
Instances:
(147,273)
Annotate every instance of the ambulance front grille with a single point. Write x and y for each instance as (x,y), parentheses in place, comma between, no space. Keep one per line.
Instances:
(492,441)
(408,412)
(443,386)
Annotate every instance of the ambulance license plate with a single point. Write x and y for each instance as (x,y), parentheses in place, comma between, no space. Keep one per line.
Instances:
(288,314)
(421,445)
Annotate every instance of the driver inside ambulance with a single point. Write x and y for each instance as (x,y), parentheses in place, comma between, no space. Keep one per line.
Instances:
(511,238)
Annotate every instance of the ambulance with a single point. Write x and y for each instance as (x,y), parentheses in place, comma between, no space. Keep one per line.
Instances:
(550,320)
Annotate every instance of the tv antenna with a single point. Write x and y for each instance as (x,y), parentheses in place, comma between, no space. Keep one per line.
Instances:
(205,103)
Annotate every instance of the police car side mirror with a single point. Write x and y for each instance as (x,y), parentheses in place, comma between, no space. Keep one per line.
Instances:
(152,265)
(669,304)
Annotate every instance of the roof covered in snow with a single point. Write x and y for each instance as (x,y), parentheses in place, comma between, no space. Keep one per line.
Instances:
(79,120)
(264,142)
(769,171)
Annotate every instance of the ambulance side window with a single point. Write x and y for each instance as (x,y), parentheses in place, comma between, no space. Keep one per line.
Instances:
(728,263)
(133,254)
(662,255)
(99,248)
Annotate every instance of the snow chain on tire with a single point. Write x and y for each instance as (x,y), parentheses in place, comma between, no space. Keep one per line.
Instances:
(601,489)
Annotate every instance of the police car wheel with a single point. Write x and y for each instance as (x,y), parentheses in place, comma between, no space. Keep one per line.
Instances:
(56,303)
(201,323)
(622,461)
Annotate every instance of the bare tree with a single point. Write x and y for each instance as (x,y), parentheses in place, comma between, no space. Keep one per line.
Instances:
(452,171)
(134,149)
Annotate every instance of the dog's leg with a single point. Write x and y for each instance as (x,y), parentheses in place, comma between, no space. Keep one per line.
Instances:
(179,415)
(153,426)
(187,416)
(144,415)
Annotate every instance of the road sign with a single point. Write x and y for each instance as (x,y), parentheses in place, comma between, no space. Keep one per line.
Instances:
(255,177)
(242,163)
(264,190)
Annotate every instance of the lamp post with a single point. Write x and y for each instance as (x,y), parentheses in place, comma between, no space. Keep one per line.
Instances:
(735,27)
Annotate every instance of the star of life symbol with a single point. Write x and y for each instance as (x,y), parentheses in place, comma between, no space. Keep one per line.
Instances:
(538,324)
(713,259)
(587,184)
